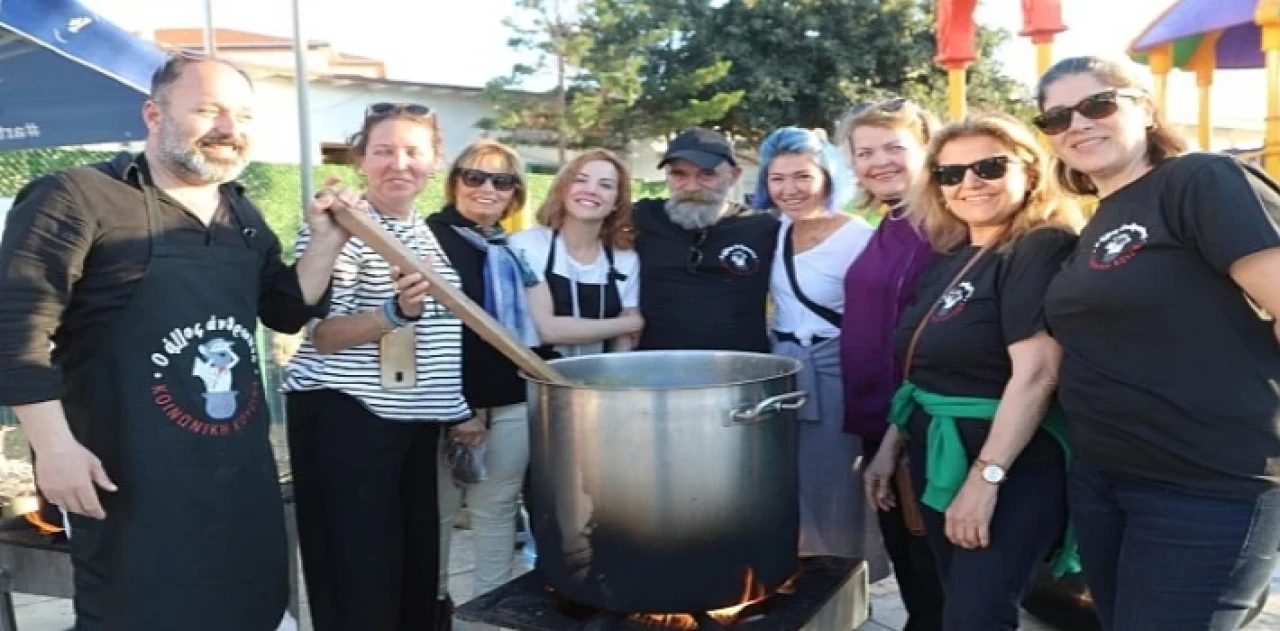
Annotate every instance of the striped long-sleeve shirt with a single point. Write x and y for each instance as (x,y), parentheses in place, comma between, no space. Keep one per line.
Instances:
(362,282)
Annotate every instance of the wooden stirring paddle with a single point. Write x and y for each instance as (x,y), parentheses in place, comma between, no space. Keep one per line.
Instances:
(360,224)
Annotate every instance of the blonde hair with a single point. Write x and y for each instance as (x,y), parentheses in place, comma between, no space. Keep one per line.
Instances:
(893,114)
(473,155)
(617,229)
(1045,204)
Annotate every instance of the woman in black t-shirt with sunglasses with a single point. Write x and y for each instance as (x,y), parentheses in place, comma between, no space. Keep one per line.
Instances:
(987,445)
(1171,367)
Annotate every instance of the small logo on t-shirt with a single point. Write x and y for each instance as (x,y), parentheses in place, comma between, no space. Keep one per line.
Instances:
(740,259)
(952,303)
(1115,248)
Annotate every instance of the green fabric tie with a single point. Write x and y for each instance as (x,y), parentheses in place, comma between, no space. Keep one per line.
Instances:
(947,462)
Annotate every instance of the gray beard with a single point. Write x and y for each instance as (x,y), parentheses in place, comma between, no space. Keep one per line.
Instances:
(183,157)
(692,215)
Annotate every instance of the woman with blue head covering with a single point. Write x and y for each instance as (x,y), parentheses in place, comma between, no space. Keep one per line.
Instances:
(805,179)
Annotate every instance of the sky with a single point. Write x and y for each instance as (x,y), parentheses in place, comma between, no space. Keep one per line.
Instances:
(463,42)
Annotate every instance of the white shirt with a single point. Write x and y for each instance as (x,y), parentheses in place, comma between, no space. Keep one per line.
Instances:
(362,282)
(534,245)
(820,272)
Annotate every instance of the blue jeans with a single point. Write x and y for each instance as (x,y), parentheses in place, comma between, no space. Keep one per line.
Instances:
(984,586)
(1162,559)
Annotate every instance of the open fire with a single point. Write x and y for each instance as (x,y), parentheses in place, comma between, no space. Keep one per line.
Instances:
(752,594)
(528,603)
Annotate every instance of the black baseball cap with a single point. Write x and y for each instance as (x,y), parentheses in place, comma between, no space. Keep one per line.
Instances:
(703,147)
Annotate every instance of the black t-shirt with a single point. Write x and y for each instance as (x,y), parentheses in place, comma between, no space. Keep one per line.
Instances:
(964,349)
(718,304)
(1168,372)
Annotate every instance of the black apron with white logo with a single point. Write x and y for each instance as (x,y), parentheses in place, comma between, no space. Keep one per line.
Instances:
(172,402)
(581,300)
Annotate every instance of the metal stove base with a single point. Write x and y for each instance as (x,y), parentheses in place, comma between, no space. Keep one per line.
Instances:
(830,595)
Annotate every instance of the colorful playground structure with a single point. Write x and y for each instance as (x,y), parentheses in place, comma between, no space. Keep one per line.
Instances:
(1200,36)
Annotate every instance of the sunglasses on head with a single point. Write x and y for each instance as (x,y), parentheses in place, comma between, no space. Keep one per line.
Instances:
(475,178)
(891,106)
(988,169)
(385,109)
(1056,120)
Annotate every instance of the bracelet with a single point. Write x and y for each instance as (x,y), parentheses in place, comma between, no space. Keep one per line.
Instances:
(389,312)
(402,315)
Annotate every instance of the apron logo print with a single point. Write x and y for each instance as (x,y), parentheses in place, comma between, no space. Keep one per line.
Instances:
(213,351)
(213,367)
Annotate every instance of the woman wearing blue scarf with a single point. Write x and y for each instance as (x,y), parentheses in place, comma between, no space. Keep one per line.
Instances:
(486,185)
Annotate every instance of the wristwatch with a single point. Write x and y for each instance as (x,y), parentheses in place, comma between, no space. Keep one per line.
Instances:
(990,471)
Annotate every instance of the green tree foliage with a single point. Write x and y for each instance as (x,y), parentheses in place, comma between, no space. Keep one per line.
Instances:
(805,62)
(613,62)
(648,68)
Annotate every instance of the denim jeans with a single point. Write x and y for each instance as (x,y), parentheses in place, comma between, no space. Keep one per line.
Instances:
(913,566)
(1159,558)
(984,586)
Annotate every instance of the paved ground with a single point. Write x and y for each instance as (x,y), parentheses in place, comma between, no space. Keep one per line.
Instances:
(54,614)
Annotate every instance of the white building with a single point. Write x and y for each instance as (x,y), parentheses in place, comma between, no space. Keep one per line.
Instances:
(341,87)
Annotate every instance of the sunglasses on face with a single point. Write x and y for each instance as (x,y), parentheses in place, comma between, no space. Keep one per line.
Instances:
(1056,120)
(386,109)
(475,178)
(988,169)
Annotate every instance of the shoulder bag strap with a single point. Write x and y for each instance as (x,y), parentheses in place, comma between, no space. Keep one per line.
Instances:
(911,513)
(788,260)
(915,337)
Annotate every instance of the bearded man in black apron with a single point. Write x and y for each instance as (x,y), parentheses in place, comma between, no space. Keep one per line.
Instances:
(149,423)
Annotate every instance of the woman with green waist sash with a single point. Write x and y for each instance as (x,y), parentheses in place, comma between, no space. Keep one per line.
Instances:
(976,412)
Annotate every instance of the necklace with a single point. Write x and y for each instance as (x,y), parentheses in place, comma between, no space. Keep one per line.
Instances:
(896,212)
(811,233)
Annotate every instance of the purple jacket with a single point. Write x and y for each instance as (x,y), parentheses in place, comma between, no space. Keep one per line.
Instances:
(877,286)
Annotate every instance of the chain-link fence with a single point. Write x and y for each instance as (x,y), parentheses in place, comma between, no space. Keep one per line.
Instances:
(277,190)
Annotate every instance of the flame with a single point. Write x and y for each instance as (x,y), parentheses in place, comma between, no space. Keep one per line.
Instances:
(752,593)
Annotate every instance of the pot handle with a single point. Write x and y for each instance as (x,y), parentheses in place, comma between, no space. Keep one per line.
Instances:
(759,412)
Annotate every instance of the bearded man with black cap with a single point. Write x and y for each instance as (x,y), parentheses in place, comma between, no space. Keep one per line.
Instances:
(704,259)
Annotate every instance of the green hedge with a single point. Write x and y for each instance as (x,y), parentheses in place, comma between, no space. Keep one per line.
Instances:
(276,188)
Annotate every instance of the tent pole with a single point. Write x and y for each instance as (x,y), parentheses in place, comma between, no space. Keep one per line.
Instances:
(303,79)
(208,29)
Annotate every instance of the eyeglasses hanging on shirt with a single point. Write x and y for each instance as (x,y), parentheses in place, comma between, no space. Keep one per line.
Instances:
(696,255)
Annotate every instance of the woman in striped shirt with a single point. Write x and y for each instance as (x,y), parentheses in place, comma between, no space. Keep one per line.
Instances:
(367,394)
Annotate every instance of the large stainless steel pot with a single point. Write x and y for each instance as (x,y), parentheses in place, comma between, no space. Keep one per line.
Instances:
(665,481)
